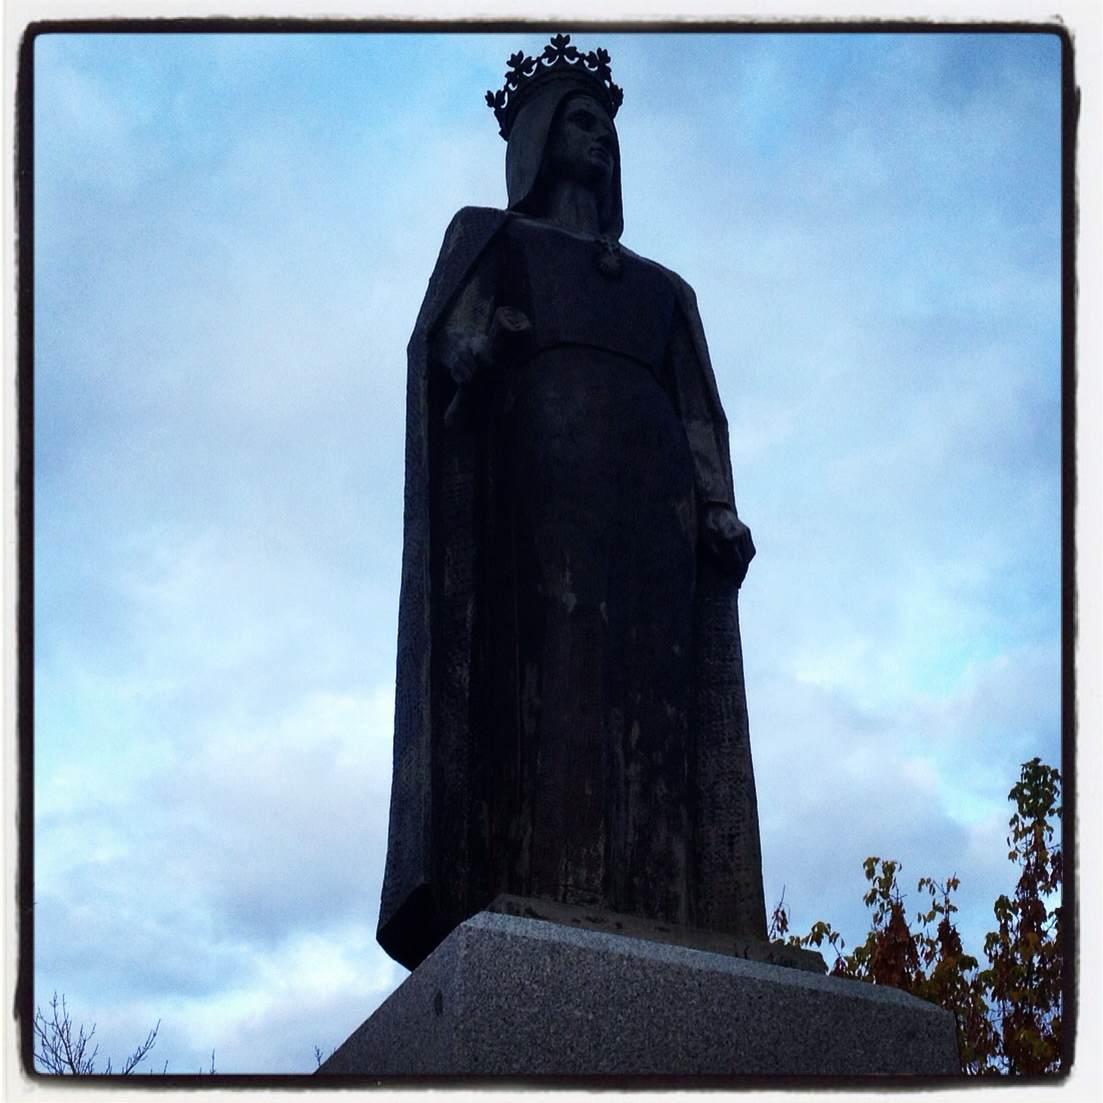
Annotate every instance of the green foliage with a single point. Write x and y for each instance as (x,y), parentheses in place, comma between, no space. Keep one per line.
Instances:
(1009,1014)
(1025,952)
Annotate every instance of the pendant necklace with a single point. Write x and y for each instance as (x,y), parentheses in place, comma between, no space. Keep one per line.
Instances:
(608,259)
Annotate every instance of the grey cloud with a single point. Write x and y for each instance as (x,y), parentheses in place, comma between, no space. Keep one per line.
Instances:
(251,840)
(838,782)
(288,836)
(118,931)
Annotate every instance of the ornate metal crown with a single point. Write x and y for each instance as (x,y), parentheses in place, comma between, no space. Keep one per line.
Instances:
(559,58)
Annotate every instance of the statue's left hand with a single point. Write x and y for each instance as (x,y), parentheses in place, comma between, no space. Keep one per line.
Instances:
(728,541)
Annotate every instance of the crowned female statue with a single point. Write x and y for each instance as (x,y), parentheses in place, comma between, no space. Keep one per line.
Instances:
(570,717)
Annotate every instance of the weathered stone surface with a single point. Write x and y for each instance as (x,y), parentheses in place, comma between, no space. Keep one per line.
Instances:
(508,996)
(631,926)
(570,709)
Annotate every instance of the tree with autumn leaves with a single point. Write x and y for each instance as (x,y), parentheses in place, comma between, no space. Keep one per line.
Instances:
(1008,1014)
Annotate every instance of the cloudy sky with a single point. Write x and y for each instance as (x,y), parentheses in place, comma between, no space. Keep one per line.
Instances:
(232,237)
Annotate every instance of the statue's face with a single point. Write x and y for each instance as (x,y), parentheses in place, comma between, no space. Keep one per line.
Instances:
(582,146)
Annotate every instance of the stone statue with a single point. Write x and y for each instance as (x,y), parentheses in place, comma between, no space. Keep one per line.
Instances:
(570,717)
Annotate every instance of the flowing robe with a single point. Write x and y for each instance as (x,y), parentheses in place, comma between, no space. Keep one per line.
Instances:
(552,783)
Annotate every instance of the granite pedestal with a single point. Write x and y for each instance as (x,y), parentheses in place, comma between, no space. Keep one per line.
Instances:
(505,995)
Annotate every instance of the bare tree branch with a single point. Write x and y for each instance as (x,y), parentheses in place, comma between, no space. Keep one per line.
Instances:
(62,1053)
(139,1054)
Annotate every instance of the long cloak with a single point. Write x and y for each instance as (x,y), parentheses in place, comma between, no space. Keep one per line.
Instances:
(436,873)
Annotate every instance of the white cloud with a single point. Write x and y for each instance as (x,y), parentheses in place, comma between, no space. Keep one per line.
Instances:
(311,991)
(235,891)
(924,781)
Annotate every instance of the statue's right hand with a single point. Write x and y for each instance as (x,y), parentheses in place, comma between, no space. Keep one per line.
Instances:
(509,322)
(466,355)
(509,331)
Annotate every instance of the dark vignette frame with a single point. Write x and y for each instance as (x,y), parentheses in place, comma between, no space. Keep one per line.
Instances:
(23,1003)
